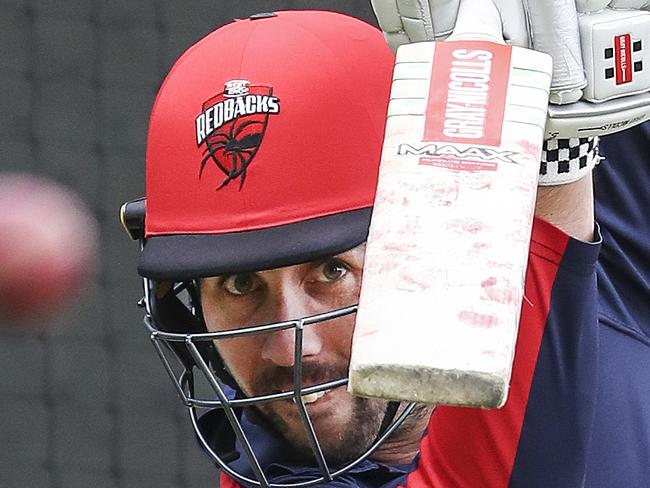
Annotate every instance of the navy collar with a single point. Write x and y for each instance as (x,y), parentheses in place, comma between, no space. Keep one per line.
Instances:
(279,460)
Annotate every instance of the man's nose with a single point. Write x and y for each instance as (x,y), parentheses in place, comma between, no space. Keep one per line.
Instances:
(279,347)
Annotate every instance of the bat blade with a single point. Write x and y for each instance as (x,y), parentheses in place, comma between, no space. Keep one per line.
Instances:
(448,244)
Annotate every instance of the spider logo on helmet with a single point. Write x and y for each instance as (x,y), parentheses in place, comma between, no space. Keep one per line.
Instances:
(231,126)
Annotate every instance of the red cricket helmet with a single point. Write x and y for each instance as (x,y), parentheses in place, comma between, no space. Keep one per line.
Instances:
(263,145)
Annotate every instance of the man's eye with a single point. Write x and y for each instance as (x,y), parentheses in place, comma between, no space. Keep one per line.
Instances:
(333,270)
(240,284)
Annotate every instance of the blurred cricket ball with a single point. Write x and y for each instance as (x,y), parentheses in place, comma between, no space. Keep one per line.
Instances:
(48,247)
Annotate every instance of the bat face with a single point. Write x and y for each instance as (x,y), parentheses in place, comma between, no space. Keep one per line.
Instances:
(447,250)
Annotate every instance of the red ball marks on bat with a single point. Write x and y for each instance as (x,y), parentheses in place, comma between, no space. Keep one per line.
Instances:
(48,247)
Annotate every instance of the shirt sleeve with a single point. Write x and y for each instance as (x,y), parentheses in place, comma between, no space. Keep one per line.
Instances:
(623,210)
(541,436)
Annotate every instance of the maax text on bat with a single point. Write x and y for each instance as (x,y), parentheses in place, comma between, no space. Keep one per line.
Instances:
(460,152)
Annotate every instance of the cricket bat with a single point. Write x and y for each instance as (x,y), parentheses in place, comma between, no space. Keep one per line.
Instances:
(448,244)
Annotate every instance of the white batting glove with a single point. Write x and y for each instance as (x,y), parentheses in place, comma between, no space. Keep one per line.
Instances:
(601,65)
(405,21)
(582,37)
(601,80)
(614,61)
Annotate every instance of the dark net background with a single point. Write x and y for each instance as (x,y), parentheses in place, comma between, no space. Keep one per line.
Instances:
(87,403)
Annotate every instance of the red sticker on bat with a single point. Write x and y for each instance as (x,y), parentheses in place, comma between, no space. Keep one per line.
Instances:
(467,95)
(623,58)
(458,164)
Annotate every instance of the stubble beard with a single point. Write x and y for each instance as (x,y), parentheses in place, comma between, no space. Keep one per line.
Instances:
(341,440)
(345,431)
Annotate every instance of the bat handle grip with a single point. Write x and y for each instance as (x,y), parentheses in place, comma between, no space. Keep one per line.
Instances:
(478,20)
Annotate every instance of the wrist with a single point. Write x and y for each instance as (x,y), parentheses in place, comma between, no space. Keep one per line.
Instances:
(567,160)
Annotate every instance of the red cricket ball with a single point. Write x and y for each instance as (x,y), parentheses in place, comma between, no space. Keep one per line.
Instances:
(48,247)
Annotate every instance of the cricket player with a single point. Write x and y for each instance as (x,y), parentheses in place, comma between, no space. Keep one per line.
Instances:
(262,159)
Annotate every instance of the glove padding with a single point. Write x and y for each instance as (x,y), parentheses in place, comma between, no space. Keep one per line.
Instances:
(405,21)
(616,65)
(590,95)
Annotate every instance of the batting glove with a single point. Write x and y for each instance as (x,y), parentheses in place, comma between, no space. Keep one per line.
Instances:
(600,63)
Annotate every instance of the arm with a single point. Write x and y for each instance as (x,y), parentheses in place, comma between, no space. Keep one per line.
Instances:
(541,437)
(569,207)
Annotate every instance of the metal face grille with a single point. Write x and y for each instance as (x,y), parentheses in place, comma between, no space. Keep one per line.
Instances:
(201,389)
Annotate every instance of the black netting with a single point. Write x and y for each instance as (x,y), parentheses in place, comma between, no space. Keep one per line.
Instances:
(87,403)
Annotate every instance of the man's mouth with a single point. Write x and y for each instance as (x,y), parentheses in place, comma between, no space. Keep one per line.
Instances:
(312,397)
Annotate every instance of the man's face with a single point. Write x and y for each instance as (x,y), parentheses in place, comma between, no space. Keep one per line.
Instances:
(261,364)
